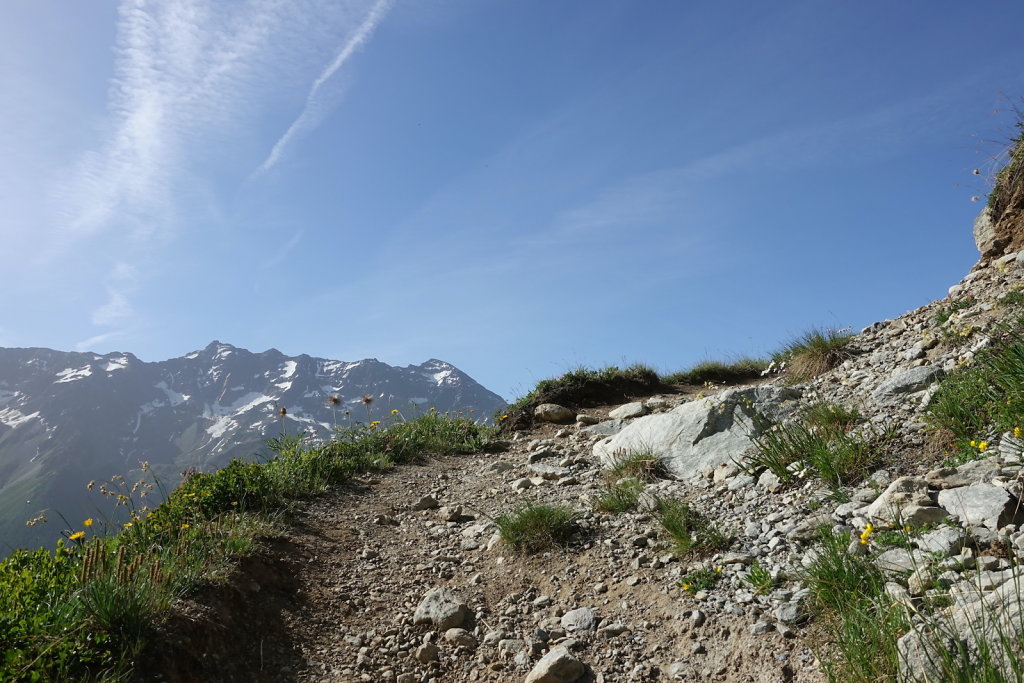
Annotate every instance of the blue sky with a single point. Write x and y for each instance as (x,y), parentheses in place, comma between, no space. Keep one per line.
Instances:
(518,188)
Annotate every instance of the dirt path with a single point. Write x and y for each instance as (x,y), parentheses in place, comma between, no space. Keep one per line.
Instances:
(334,599)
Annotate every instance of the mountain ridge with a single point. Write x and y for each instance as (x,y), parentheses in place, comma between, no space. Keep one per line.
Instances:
(69,417)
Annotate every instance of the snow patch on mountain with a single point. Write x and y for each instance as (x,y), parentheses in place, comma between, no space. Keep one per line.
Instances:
(71,374)
(117,364)
(13,418)
(173,396)
(223,416)
(289,369)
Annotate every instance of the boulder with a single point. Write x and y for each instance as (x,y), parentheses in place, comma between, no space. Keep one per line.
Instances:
(605,428)
(557,666)
(442,608)
(627,411)
(552,412)
(973,472)
(581,619)
(701,434)
(985,504)
(900,495)
(946,540)
(986,237)
(915,379)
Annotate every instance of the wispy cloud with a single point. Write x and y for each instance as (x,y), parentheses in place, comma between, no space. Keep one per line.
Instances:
(313,111)
(93,342)
(189,75)
(283,252)
(190,79)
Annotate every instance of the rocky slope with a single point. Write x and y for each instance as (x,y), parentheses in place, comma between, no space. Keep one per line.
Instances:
(404,578)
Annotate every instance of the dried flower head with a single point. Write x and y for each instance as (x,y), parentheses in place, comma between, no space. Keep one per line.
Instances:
(333,401)
(366,399)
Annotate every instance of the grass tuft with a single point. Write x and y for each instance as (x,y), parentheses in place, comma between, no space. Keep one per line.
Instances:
(720,372)
(822,445)
(861,622)
(619,497)
(533,528)
(814,353)
(690,531)
(985,397)
(643,465)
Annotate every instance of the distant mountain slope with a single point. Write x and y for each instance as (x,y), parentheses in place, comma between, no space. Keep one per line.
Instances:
(68,418)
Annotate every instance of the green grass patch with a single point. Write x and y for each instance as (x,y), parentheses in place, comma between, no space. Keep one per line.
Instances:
(691,532)
(533,528)
(643,465)
(720,372)
(759,578)
(984,397)
(701,580)
(84,611)
(1012,299)
(831,453)
(944,312)
(619,497)
(1009,183)
(861,622)
(582,387)
(831,416)
(813,353)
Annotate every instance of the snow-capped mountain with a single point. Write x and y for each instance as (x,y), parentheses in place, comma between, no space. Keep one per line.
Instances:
(69,418)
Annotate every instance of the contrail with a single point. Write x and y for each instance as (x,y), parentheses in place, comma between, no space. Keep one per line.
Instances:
(307,119)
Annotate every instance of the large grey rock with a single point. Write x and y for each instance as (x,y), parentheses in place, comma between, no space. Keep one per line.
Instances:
(627,411)
(557,666)
(973,472)
(605,428)
(580,619)
(985,504)
(986,238)
(443,608)
(702,434)
(901,560)
(915,379)
(946,540)
(900,495)
(552,412)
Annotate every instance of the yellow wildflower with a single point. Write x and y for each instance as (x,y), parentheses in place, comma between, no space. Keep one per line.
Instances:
(87,522)
(127,525)
(983,446)
(394,411)
(866,534)
(77,535)
(1016,432)
(184,526)
(686,586)
(503,417)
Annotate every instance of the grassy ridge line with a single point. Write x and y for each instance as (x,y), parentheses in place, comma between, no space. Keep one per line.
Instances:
(800,360)
(86,610)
